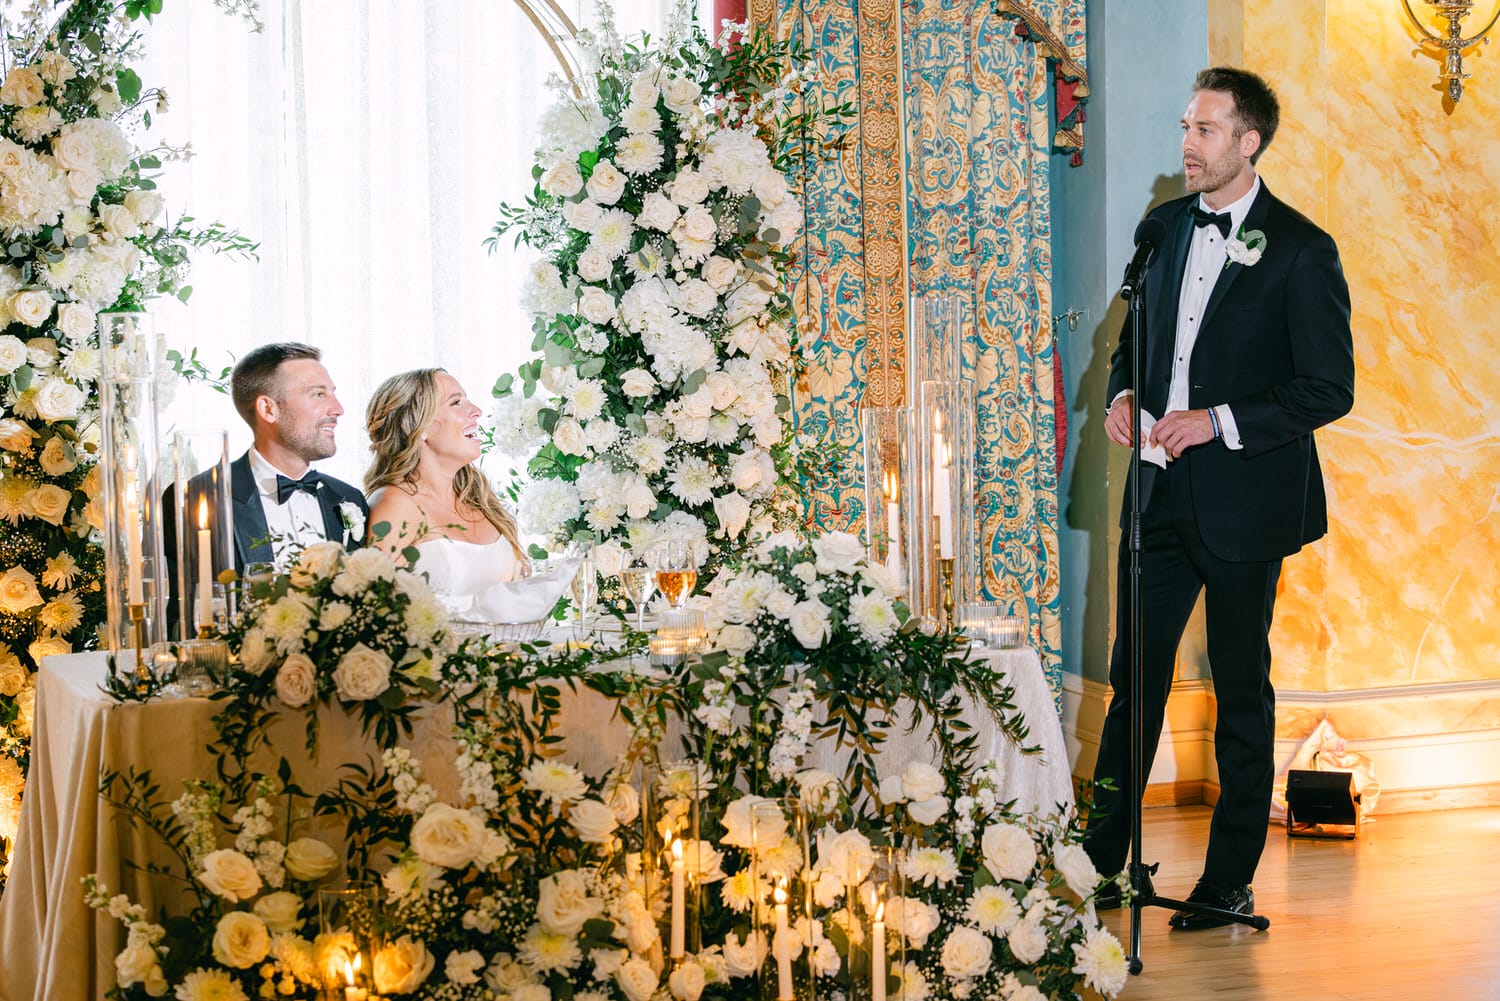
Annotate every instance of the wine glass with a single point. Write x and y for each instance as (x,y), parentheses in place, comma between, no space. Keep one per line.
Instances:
(585,588)
(640,585)
(676,570)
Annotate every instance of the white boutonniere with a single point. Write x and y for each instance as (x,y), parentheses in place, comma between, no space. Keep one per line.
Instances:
(354,521)
(1246,247)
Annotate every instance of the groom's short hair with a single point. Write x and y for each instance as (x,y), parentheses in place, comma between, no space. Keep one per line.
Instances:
(1255,105)
(254,375)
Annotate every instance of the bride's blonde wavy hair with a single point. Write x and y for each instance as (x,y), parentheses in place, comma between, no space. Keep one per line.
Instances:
(399,412)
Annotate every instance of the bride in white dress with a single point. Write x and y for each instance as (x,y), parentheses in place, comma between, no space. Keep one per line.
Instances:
(424,484)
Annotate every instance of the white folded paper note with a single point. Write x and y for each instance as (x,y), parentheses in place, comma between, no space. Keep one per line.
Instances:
(1154,454)
(526,599)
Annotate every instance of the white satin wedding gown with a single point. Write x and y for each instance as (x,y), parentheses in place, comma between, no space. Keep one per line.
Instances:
(464,575)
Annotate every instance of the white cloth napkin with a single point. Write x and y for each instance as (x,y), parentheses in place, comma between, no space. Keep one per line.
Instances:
(526,599)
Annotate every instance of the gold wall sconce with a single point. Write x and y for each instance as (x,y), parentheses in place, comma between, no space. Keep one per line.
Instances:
(1451,43)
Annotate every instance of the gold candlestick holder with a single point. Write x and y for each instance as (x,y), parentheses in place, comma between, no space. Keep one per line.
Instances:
(137,612)
(945,569)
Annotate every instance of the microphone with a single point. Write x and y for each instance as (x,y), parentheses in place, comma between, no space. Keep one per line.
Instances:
(1149,235)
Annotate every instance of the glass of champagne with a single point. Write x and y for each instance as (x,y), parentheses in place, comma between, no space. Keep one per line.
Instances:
(585,588)
(640,585)
(676,571)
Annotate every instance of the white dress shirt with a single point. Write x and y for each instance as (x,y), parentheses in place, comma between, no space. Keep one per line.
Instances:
(1207,255)
(297,523)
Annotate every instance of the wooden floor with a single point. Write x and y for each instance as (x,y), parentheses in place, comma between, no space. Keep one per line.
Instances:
(1411,910)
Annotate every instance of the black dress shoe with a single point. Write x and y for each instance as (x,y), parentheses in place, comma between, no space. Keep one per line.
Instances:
(1238,899)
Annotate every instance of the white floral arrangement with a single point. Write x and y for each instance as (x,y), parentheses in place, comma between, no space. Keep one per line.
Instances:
(84,232)
(351,628)
(664,220)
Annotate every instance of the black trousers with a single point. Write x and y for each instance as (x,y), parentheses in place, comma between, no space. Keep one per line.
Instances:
(1239,598)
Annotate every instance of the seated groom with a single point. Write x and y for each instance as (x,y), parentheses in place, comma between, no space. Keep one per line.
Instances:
(284,393)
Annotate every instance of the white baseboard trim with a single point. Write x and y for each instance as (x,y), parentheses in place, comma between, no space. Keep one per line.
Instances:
(1429,745)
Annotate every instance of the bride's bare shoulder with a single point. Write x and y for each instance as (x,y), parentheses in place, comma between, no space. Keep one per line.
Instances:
(397,509)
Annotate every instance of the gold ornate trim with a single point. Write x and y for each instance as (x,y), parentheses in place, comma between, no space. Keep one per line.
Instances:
(1047,42)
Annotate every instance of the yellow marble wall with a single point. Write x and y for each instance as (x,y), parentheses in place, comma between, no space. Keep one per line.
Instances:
(1404,591)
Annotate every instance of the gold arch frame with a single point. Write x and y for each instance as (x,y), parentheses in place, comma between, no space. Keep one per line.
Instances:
(558,31)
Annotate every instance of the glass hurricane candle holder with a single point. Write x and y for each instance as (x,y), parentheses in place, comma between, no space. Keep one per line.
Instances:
(877,952)
(773,834)
(674,858)
(202,530)
(349,922)
(887,433)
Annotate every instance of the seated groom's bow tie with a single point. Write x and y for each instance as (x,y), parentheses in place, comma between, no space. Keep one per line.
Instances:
(286,486)
(1202,218)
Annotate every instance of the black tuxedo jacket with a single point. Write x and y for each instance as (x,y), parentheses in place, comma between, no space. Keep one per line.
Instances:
(250,542)
(1274,345)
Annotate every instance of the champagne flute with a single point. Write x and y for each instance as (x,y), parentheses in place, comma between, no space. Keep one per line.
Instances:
(585,587)
(640,583)
(676,571)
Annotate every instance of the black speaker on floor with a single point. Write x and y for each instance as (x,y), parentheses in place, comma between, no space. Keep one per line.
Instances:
(1321,804)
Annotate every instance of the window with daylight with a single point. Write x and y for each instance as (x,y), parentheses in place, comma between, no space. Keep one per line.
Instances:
(367,147)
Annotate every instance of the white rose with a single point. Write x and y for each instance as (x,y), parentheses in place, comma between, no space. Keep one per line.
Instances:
(402,966)
(657,212)
(698,224)
(296,680)
(748,823)
(847,853)
(73,149)
(637,383)
(76,321)
(594,822)
(594,265)
(1076,867)
(809,622)
(643,88)
(12,675)
(912,919)
(928,811)
(596,306)
(12,354)
(563,180)
(144,205)
(22,88)
(737,640)
(135,964)
(967,953)
(118,221)
(308,859)
(609,558)
(637,979)
(625,802)
(688,188)
(583,216)
(58,400)
(42,352)
(564,904)
(838,552)
(32,307)
(448,837)
(719,272)
(230,875)
(733,513)
(639,499)
(681,94)
(687,981)
(256,650)
(1008,851)
(47,645)
(362,674)
(281,911)
(55,459)
(1027,941)
(606,184)
(568,436)
(920,781)
(241,940)
(49,503)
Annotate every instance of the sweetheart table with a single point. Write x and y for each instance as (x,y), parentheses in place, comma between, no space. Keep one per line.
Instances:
(55,948)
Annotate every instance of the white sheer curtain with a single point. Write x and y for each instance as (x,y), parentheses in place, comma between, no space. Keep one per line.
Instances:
(366,144)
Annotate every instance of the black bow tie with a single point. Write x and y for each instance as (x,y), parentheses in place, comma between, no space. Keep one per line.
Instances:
(1219,219)
(286,486)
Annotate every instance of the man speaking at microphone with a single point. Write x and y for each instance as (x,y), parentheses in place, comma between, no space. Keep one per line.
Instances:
(1248,351)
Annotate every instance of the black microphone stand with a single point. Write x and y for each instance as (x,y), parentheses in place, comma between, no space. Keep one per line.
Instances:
(1143,892)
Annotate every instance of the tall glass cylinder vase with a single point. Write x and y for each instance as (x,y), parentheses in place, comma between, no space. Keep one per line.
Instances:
(944,569)
(877,951)
(203,526)
(779,869)
(889,518)
(136,577)
(674,858)
(935,348)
